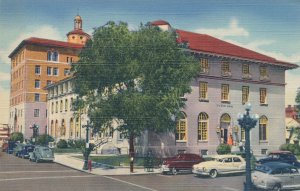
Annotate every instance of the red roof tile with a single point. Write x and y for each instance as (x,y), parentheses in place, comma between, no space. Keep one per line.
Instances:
(80,32)
(209,44)
(46,42)
(160,22)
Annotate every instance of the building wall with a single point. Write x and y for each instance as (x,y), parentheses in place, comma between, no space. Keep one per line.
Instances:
(22,99)
(165,144)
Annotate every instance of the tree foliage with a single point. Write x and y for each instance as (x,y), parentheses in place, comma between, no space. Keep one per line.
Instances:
(17,136)
(133,77)
(44,139)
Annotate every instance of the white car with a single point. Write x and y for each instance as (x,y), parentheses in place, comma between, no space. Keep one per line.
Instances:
(222,164)
(276,176)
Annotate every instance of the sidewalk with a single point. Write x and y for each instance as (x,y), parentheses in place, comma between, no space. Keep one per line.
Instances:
(76,163)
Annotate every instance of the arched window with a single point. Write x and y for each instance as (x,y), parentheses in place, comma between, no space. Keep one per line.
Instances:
(62,128)
(263,123)
(225,122)
(56,129)
(77,127)
(202,126)
(181,129)
(71,127)
(52,128)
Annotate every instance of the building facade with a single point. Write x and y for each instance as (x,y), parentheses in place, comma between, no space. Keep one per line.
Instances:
(230,76)
(36,63)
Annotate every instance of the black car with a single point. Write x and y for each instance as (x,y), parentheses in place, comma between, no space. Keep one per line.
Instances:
(280,156)
(11,146)
(26,149)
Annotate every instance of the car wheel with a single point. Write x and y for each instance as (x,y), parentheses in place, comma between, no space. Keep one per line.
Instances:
(213,173)
(277,187)
(174,171)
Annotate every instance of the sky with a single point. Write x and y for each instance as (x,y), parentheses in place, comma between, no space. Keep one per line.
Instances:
(270,27)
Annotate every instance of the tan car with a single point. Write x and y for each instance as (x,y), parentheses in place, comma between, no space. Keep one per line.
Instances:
(221,164)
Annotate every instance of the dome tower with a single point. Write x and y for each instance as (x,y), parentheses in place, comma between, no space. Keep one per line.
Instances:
(77,35)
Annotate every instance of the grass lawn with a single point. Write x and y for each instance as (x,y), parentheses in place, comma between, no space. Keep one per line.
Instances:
(117,160)
(67,150)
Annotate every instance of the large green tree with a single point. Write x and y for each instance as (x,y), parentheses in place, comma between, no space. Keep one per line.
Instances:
(135,78)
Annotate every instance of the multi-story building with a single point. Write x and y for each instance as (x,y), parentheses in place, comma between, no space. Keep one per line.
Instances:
(230,76)
(4,133)
(36,63)
(66,122)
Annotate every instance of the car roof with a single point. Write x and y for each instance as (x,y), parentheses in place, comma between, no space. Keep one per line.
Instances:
(274,165)
(224,156)
(280,152)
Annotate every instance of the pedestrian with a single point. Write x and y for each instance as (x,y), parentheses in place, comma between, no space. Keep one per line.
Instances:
(241,146)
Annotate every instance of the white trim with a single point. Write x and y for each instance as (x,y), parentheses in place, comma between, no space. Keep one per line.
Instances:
(35,60)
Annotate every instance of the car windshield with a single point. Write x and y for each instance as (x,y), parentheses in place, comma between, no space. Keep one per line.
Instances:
(263,168)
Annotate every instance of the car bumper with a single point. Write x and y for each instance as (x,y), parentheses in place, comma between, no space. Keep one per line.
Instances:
(47,159)
(200,172)
(164,168)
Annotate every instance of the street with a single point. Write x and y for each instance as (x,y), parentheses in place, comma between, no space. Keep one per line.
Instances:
(22,175)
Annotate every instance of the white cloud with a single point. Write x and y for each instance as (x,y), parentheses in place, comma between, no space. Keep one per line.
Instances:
(232,30)
(4,76)
(44,31)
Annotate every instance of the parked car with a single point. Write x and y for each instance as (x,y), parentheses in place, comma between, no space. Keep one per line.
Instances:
(280,156)
(17,149)
(4,147)
(41,153)
(276,176)
(180,162)
(26,149)
(11,146)
(221,164)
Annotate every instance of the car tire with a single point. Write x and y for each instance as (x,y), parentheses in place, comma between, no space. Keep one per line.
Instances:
(277,187)
(213,173)
(174,171)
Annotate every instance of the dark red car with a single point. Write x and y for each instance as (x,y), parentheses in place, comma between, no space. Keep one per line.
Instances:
(180,162)
(4,147)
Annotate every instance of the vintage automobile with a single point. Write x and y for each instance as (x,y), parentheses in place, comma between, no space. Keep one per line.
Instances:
(17,149)
(280,156)
(4,147)
(26,149)
(276,176)
(11,146)
(41,153)
(180,162)
(221,164)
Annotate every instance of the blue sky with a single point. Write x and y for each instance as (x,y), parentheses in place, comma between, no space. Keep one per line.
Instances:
(271,27)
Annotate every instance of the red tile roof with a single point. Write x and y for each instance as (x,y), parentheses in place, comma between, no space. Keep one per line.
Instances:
(209,44)
(160,22)
(46,42)
(80,32)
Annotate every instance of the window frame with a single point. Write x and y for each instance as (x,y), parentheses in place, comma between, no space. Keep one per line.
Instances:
(36,113)
(37,84)
(37,70)
(263,96)
(263,128)
(245,94)
(225,89)
(202,133)
(203,90)
(181,129)
(204,65)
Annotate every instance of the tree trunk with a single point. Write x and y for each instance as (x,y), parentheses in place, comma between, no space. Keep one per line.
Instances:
(131,151)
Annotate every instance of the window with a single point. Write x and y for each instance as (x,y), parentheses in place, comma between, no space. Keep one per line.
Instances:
(225,92)
(203,90)
(71,103)
(52,107)
(263,72)
(203,65)
(49,82)
(61,106)
(263,95)
(66,72)
(37,70)
(181,129)
(49,71)
(263,122)
(52,56)
(66,105)
(226,69)
(36,113)
(236,159)
(202,126)
(245,69)
(55,71)
(245,94)
(37,83)
(242,134)
(36,97)
(56,107)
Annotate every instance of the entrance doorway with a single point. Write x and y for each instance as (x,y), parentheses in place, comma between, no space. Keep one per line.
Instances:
(224,126)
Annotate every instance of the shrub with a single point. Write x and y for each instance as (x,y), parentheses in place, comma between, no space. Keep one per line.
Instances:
(44,139)
(71,143)
(79,143)
(223,149)
(295,149)
(284,147)
(17,136)
(62,144)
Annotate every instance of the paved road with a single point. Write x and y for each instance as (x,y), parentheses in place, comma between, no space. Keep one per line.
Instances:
(22,175)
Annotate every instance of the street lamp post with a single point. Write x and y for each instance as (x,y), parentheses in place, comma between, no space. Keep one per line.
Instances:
(35,132)
(87,145)
(247,122)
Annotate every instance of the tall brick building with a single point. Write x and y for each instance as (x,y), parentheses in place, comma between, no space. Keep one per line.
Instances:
(36,63)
